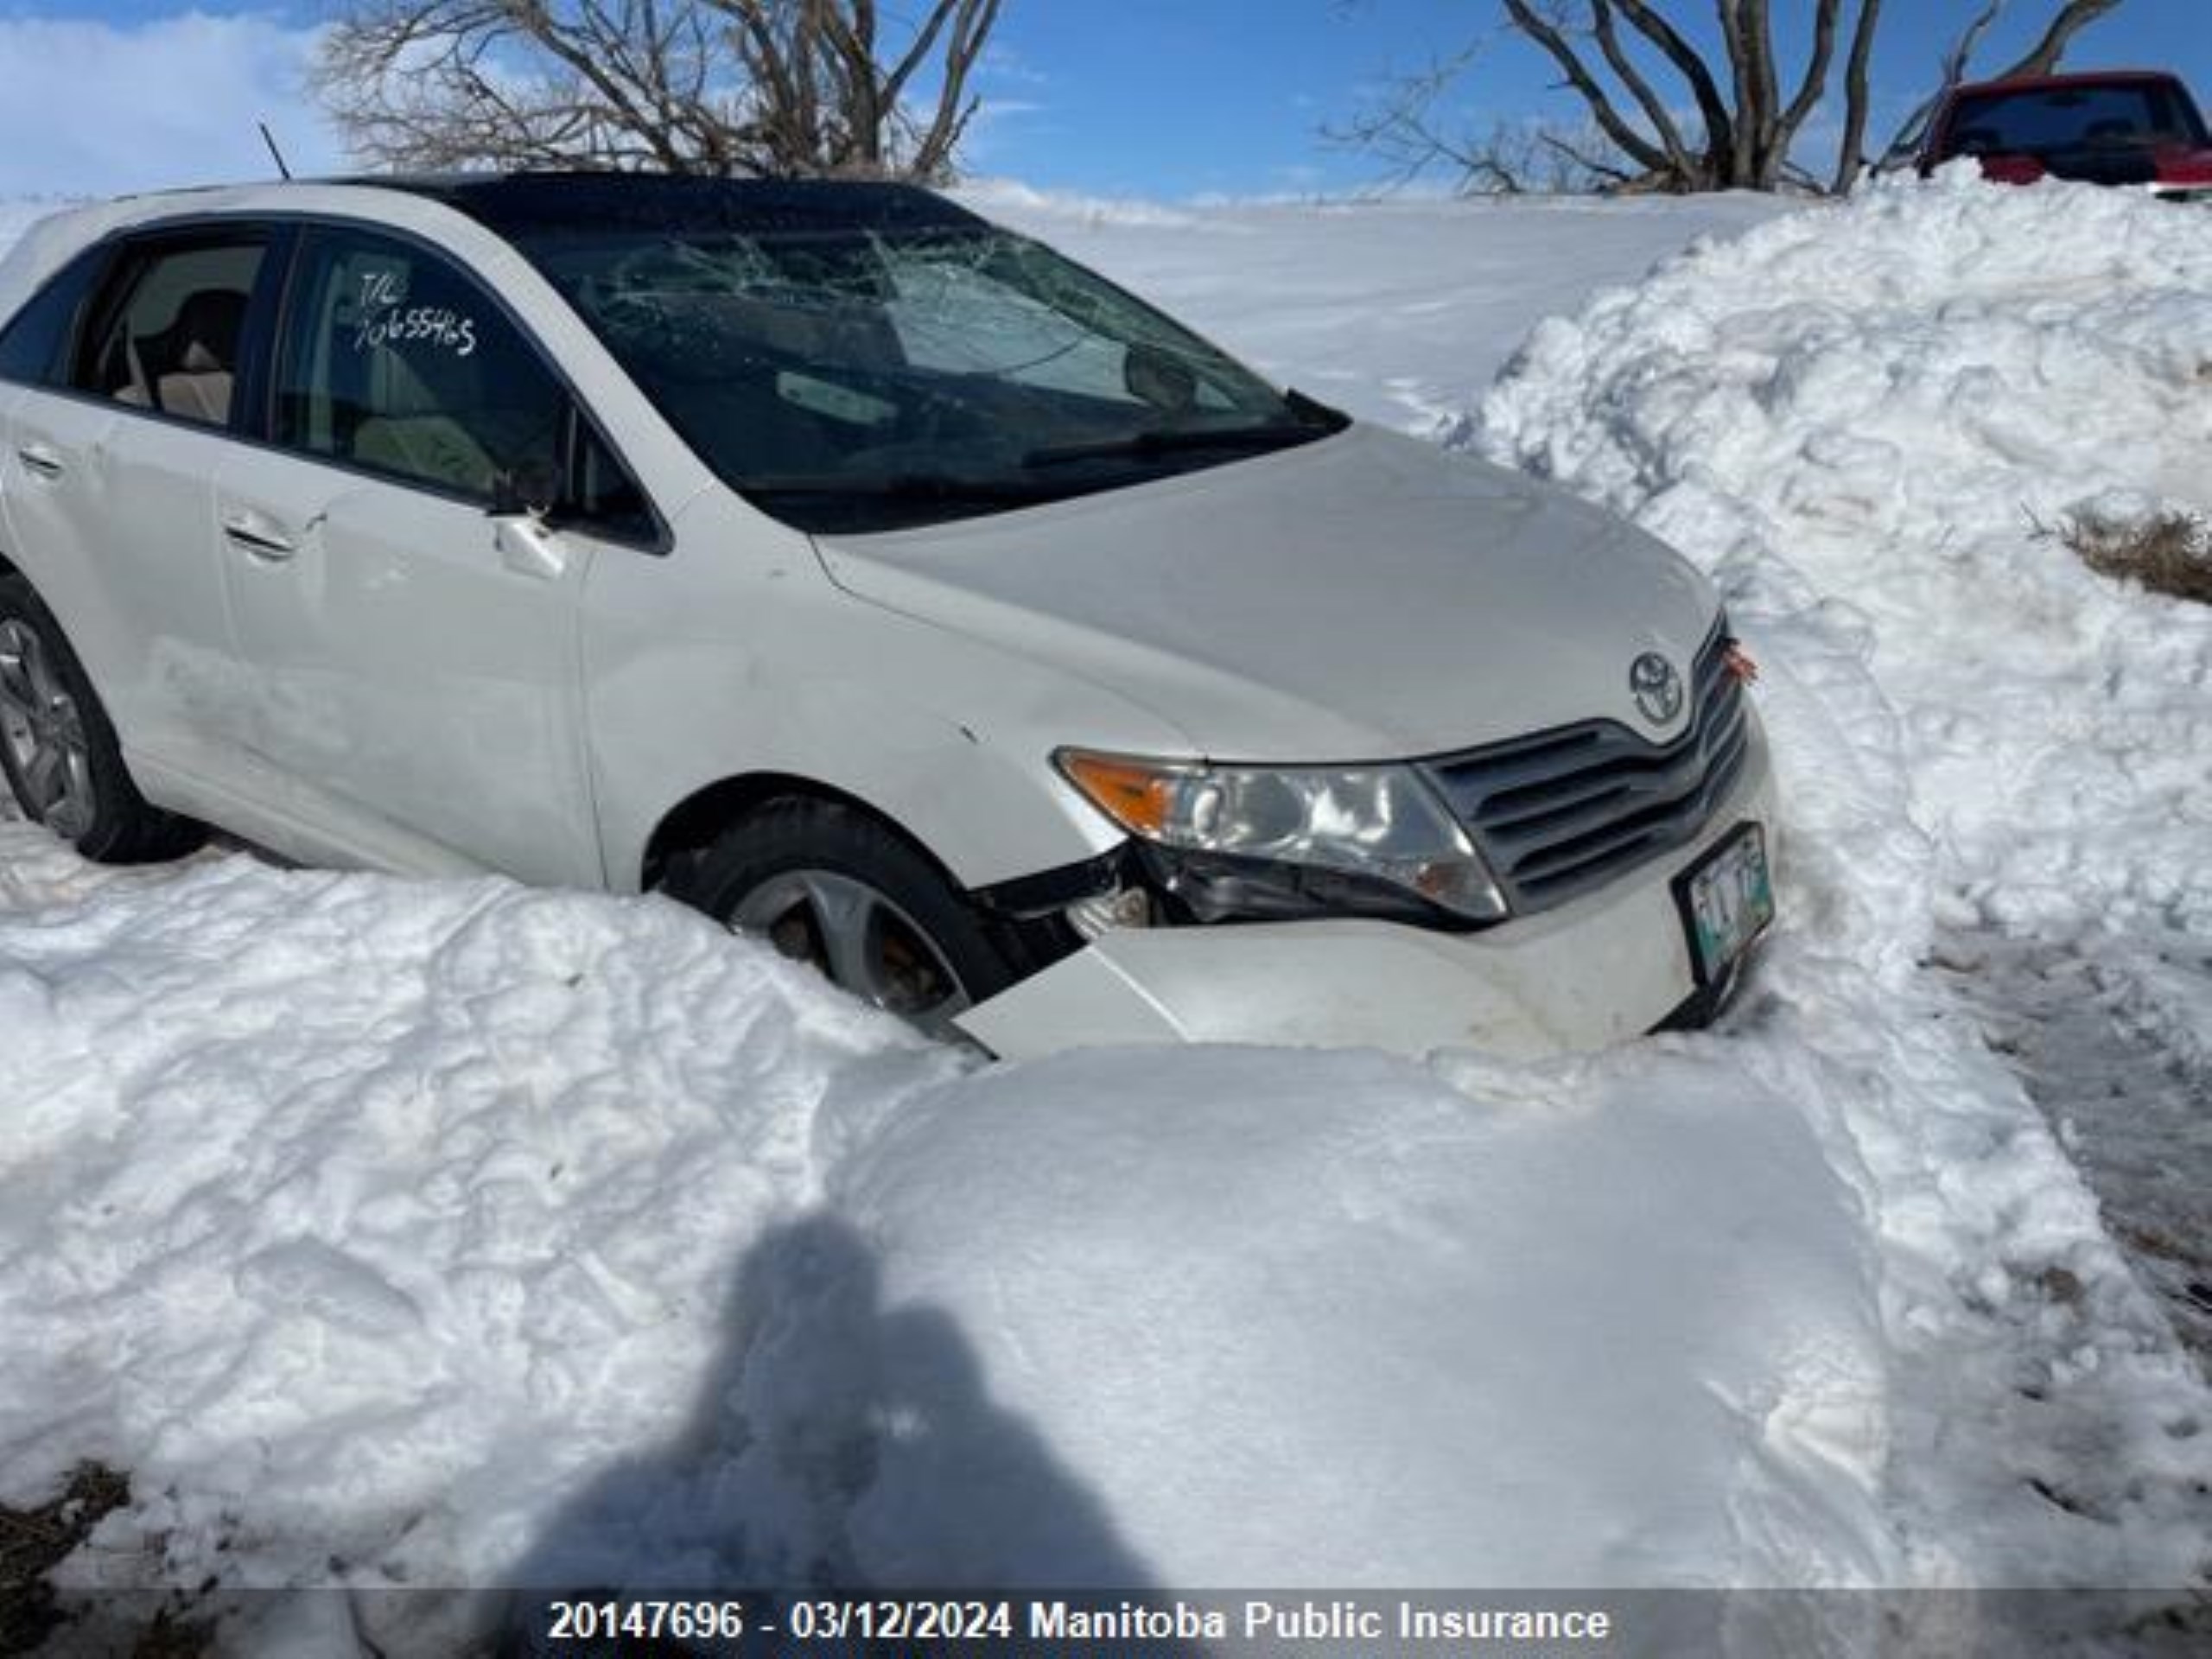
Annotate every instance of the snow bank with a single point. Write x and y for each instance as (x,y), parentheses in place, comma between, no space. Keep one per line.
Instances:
(1857,419)
(1877,408)
(456,1233)
(1309,1321)
(349,1211)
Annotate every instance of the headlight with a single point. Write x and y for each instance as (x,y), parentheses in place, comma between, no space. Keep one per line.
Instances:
(1291,841)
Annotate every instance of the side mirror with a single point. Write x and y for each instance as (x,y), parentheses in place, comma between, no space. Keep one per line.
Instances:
(530,490)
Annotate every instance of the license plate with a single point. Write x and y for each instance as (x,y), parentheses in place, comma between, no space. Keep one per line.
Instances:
(1726,899)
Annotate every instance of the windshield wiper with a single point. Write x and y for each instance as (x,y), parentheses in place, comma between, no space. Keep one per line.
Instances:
(1313,420)
(902,487)
(1168,440)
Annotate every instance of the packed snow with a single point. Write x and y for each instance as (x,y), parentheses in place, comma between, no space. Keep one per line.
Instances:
(1396,311)
(455,1234)
(1875,427)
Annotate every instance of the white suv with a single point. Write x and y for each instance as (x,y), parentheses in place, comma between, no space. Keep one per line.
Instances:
(868,576)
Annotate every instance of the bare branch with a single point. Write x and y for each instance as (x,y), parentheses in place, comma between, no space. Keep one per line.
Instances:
(1406,131)
(1857,98)
(1961,52)
(971,28)
(1655,108)
(1583,159)
(2073,17)
(1403,131)
(1531,23)
(1610,54)
(1816,81)
(725,87)
(1719,125)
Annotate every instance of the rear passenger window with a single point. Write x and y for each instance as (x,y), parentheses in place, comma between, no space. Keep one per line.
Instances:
(34,348)
(396,363)
(166,334)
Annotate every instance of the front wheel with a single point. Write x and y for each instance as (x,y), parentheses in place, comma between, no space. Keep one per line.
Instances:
(58,751)
(827,885)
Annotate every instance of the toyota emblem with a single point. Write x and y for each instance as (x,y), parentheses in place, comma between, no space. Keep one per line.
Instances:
(1657,688)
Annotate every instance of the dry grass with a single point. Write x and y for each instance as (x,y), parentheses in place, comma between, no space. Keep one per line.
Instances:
(2167,552)
(33,1542)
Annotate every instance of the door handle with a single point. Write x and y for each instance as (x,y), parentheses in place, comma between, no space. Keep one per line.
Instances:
(40,460)
(258,537)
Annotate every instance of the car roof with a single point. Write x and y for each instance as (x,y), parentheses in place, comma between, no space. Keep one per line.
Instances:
(2077,77)
(512,204)
(503,206)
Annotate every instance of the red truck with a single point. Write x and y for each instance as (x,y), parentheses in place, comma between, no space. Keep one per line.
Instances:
(2119,127)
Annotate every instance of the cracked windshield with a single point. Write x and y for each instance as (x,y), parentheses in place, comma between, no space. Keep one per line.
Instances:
(865,381)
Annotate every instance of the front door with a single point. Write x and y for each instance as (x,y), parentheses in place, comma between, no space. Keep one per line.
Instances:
(415,646)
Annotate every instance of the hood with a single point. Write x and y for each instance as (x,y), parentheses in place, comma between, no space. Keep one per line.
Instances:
(1362,597)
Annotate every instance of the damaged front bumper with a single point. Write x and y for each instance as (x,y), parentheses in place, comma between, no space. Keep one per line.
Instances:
(1611,965)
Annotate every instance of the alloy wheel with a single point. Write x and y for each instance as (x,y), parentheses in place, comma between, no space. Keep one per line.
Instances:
(44,732)
(860,939)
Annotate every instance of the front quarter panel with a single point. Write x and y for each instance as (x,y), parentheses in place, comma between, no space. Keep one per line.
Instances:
(736,656)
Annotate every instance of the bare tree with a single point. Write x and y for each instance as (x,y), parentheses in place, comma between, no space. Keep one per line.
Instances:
(780,88)
(1406,131)
(1639,75)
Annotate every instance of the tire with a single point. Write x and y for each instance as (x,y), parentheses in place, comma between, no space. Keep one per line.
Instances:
(828,884)
(58,751)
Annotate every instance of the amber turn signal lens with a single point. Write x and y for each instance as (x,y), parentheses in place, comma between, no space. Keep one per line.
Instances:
(1135,796)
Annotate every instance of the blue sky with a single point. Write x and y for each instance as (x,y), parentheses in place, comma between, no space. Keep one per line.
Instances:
(1180,97)
(1159,97)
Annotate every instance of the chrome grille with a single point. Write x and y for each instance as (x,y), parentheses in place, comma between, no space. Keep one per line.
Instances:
(1560,813)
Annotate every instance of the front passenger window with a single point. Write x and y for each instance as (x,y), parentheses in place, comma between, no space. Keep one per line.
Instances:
(396,363)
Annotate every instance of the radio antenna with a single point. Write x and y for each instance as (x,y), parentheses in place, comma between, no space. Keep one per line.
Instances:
(275,154)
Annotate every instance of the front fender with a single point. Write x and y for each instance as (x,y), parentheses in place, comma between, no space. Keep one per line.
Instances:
(736,656)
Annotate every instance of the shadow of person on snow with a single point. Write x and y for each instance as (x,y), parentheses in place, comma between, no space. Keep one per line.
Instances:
(837,1444)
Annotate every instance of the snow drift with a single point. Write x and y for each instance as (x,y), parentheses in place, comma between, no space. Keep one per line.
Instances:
(1889,411)
(450,1233)
(367,1219)
(1865,421)
(1394,310)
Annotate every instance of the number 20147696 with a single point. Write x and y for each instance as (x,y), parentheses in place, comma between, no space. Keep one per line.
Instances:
(823,1618)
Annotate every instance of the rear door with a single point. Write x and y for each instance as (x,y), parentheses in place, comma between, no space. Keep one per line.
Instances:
(107,474)
(416,649)
(34,364)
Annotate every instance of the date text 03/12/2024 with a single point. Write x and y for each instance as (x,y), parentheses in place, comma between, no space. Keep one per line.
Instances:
(862,1620)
